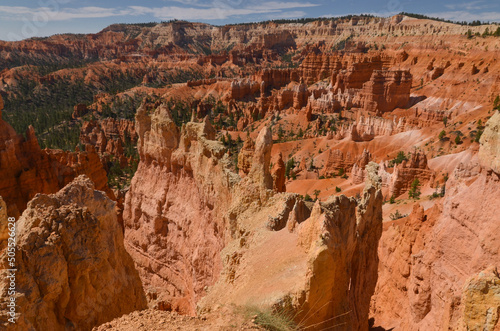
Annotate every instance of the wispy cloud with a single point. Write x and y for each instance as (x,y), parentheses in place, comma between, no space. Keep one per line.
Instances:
(287,15)
(223,11)
(462,15)
(196,11)
(473,5)
(49,14)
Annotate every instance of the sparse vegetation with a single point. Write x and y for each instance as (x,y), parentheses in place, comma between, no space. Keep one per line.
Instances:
(397,215)
(290,164)
(442,135)
(341,172)
(496,103)
(438,192)
(414,192)
(272,320)
(400,157)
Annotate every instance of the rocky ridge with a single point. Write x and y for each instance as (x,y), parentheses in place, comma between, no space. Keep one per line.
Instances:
(72,268)
(425,263)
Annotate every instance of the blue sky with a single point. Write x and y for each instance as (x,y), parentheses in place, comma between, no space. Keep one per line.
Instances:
(20,19)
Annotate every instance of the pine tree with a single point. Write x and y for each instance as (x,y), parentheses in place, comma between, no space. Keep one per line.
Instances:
(414,192)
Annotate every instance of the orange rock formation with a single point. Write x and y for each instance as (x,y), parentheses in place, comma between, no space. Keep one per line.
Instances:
(72,268)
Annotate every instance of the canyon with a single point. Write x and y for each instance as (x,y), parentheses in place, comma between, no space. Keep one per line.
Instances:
(343,173)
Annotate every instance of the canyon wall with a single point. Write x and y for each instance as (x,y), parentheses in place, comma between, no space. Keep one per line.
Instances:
(428,260)
(174,228)
(200,235)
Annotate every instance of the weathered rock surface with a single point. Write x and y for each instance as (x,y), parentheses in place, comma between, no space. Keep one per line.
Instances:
(386,91)
(174,229)
(481,299)
(358,172)
(259,171)
(489,152)
(323,270)
(337,160)
(278,174)
(426,259)
(72,268)
(245,156)
(405,173)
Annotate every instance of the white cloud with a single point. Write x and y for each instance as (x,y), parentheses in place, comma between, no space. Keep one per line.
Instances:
(218,9)
(287,15)
(183,13)
(222,11)
(461,15)
(473,5)
(49,14)
(283,5)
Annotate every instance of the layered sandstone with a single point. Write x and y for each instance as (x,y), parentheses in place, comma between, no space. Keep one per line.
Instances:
(337,160)
(428,259)
(174,228)
(489,153)
(405,173)
(245,156)
(278,174)
(358,172)
(386,91)
(72,268)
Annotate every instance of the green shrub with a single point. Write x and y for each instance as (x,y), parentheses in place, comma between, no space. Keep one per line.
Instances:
(341,172)
(400,157)
(442,134)
(272,320)
(414,192)
(290,164)
(397,215)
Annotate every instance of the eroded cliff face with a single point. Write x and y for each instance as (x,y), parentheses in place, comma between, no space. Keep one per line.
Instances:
(405,173)
(481,299)
(489,153)
(26,170)
(195,230)
(427,258)
(317,261)
(386,91)
(72,268)
(173,216)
